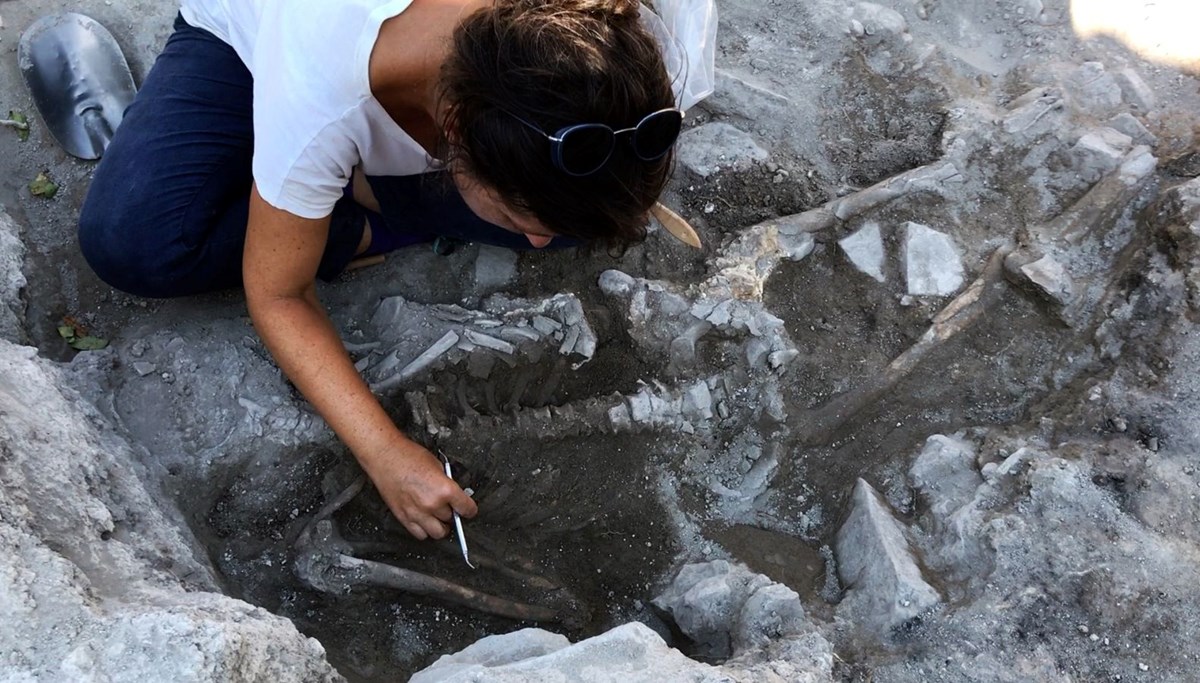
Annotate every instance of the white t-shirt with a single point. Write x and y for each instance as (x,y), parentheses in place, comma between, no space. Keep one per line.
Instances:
(315,118)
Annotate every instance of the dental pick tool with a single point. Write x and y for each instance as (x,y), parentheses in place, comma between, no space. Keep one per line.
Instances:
(458,529)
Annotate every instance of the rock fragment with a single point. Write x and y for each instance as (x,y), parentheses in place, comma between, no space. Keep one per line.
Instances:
(864,248)
(1130,125)
(1093,90)
(1050,279)
(932,263)
(1099,151)
(1135,90)
(945,474)
(725,609)
(12,280)
(625,654)
(707,149)
(885,589)
(495,268)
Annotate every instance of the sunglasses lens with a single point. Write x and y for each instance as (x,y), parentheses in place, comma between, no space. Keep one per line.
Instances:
(585,148)
(656,134)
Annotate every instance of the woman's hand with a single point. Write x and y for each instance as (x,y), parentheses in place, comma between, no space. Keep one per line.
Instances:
(413,483)
(281,257)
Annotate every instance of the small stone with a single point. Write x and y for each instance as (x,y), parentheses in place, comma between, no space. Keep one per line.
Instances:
(706,149)
(1094,638)
(1135,90)
(616,283)
(143,368)
(932,264)
(864,248)
(1099,151)
(1129,125)
(723,410)
(1051,279)
(1094,90)
(698,402)
(1083,628)
(1143,667)
(495,268)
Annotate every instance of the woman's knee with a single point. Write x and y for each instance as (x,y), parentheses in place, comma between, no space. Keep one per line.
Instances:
(116,251)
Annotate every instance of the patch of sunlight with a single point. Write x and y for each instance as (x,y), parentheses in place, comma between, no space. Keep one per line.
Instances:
(1160,30)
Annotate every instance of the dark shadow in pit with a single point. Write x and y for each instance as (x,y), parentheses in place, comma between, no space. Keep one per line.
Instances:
(580,511)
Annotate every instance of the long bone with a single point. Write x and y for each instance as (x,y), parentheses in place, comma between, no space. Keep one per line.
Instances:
(327,562)
(818,426)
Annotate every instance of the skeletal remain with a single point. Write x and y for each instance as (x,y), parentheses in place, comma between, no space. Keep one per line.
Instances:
(511,331)
(421,362)
(690,407)
(749,260)
(328,563)
(818,426)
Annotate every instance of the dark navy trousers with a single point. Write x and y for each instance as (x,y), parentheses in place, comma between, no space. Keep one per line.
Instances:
(166,211)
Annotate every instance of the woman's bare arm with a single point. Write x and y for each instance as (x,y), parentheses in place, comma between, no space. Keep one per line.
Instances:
(282,253)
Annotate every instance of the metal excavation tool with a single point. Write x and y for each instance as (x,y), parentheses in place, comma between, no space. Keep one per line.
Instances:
(79,80)
(462,539)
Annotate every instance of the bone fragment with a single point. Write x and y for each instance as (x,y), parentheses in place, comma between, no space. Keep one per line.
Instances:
(489,342)
(374,573)
(421,362)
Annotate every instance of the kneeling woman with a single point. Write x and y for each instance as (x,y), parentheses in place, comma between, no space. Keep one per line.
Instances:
(276,140)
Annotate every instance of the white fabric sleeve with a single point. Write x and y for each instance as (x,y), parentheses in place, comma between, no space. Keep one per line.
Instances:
(311,181)
(306,86)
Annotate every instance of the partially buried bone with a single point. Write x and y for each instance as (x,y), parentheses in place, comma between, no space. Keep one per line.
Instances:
(818,426)
(327,562)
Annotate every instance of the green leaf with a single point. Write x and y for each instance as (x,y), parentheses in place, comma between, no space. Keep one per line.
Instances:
(42,186)
(23,128)
(88,343)
(66,331)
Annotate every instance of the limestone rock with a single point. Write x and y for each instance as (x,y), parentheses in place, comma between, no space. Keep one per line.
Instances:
(1093,90)
(1130,125)
(1099,151)
(1051,279)
(883,33)
(945,474)
(876,25)
(12,280)
(631,653)
(1135,90)
(727,609)
(932,263)
(101,581)
(885,589)
(706,149)
(492,652)
(495,268)
(864,248)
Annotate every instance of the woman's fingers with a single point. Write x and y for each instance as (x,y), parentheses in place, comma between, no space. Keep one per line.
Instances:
(416,531)
(434,528)
(463,504)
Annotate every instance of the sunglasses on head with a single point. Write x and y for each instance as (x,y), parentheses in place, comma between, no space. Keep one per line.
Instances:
(584,148)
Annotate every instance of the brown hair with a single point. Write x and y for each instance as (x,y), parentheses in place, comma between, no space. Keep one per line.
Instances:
(556,64)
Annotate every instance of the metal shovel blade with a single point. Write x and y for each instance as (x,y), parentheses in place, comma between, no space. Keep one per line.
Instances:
(79,80)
